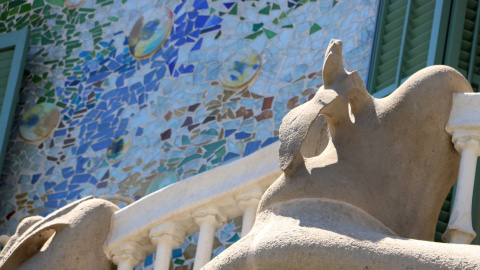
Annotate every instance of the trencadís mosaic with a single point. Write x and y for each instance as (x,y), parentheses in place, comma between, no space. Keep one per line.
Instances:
(126,97)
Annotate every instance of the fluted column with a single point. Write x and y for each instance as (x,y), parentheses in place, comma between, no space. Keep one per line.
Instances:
(209,219)
(460,230)
(128,255)
(248,202)
(166,236)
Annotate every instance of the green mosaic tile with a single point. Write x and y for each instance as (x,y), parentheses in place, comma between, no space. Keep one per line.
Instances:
(51,16)
(33,17)
(4,16)
(219,33)
(335,2)
(46,41)
(179,261)
(90,10)
(15,4)
(275,7)
(190,158)
(50,93)
(113,19)
(212,10)
(217,160)
(41,100)
(107,3)
(25,8)
(221,152)
(13,11)
(283,16)
(50,100)
(56,2)
(275,21)
(48,85)
(315,28)
(257,26)
(265,11)
(288,26)
(254,35)
(269,33)
(62,105)
(21,26)
(234,10)
(36,79)
(47,9)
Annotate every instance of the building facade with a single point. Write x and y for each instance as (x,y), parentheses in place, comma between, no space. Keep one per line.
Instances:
(122,98)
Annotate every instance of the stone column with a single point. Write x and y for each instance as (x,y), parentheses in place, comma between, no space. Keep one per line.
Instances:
(248,202)
(166,236)
(460,230)
(209,218)
(128,255)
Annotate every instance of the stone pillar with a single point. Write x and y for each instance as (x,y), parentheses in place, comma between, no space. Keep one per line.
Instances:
(248,202)
(166,236)
(460,230)
(128,255)
(209,218)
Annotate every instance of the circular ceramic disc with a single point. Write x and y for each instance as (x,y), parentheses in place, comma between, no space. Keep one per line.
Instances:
(117,149)
(150,32)
(240,70)
(39,122)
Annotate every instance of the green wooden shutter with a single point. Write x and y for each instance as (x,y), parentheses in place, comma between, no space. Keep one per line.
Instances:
(463,53)
(408,38)
(13,52)
(463,45)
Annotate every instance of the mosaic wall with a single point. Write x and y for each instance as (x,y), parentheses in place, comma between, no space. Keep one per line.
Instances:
(125,97)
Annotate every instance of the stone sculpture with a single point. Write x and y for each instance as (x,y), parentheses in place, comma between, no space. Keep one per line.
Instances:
(69,238)
(364,179)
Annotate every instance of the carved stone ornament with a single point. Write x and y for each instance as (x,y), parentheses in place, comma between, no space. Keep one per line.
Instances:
(70,238)
(364,179)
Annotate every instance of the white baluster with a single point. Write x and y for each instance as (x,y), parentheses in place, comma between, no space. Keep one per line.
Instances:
(166,236)
(460,228)
(209,219)
(128,255)
(248,202)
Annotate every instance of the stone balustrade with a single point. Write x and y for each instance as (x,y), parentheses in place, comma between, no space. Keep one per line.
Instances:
(159,222)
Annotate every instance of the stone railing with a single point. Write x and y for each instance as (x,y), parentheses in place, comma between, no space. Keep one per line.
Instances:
(160,221)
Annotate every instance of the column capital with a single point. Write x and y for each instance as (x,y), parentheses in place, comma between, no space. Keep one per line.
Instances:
(129,252)
(209,214)
(466,139)
(170,233)
(249,198)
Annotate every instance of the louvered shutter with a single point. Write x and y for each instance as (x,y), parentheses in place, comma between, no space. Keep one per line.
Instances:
(13,51)
(407,40)
(463,53)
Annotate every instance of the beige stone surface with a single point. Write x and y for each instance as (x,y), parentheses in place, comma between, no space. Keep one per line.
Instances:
(69,238)
(367,193)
